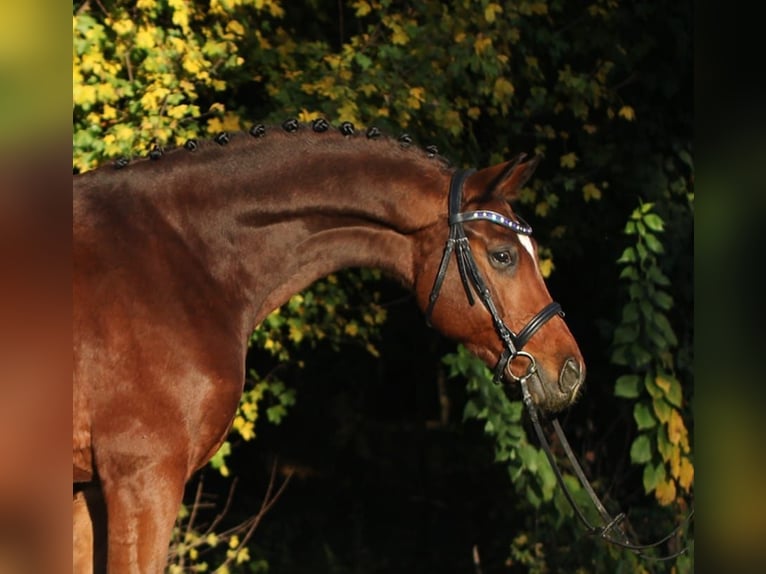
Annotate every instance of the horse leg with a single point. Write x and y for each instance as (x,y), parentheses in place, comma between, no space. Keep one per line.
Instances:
(88,530)
(141,509)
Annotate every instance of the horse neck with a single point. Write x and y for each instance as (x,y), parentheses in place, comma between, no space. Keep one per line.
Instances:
(303,207)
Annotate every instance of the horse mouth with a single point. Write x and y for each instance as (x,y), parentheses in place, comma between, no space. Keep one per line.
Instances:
(551,398)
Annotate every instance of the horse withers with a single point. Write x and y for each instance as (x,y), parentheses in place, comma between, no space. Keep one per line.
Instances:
(177,258)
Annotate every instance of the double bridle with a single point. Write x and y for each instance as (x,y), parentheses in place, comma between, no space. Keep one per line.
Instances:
(610,531)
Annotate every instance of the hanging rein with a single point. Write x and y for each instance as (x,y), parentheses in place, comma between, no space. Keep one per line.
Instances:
(513,343)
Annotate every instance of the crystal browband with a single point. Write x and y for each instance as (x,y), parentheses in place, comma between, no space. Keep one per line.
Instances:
(520,226)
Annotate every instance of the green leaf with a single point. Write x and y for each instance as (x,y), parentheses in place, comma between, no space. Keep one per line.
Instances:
(657,277)
(470,411)
(620,356)
(664,446)
(652,388)
(653,475)
(630,313)
(674,395)
(654,222)
(630,273)
(662,409)
(364,61)
(514,410)
(641,449)
(643,417)
(628,256)
(663,300)
(653,244)
(627,386)
(626,334)
(661,322)
(640,355)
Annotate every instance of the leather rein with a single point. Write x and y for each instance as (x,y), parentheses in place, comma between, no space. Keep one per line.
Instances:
(472,280)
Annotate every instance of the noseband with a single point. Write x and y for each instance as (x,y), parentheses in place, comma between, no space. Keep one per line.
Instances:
(611,531)
(473,281)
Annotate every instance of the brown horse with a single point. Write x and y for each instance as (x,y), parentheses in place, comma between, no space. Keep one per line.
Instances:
(178,257)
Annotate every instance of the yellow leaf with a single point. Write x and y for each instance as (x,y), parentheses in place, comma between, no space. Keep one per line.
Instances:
(247,431)
(481,44)
(296,334)
(352,329)
(177,112)
(542,208)
(233,541)
(235,28)
(685,474)
(123,27)
(546,267)
(106,93)
(146,4)
(362,8)
(109,113)
(416,97)
(84,95)
(372,350)
(145,39)
(665,492)
(398,36)
(627,113)
(663,383)
(250,410)
(180,13)
(243,555)
(569,160)
(503,89)
(474,113)
(124,133)
(677,432)
(491,10)
(590,191)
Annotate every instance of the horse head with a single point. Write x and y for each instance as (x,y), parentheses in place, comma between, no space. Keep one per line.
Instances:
(493,299)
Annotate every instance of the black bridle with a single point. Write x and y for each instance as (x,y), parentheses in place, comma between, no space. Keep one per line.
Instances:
(473,281)
(611,531)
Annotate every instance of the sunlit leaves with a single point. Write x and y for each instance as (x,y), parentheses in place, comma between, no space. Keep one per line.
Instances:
(143,72)
(627,113)
(590,191)
(568,160)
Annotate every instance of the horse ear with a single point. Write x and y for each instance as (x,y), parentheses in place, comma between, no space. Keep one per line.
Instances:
(505,179)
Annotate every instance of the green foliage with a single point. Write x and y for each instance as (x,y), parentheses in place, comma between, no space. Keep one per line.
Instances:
(644,341)
(527,466)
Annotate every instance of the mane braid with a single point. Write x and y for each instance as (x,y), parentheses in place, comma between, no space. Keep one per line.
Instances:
(317,128)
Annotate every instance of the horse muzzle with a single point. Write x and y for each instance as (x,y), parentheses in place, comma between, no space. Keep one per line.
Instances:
(551,394)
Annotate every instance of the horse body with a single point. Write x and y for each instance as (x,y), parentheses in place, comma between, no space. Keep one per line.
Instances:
(177,260)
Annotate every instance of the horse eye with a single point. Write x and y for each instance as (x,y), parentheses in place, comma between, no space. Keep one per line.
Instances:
(502,259)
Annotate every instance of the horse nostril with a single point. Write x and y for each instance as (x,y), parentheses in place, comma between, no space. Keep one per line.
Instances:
(571,376)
